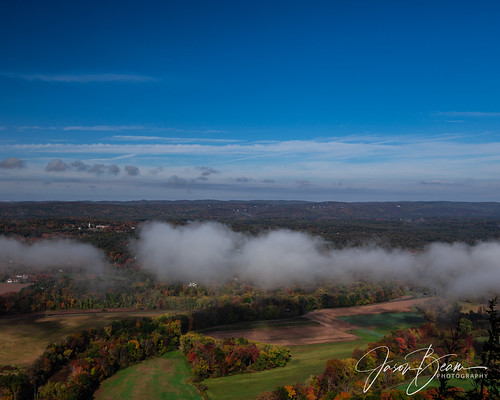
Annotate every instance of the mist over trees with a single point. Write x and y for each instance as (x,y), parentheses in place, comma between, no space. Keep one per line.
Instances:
(211,252)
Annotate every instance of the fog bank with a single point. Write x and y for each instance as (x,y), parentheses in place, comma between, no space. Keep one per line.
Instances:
(212,253)
(60,253)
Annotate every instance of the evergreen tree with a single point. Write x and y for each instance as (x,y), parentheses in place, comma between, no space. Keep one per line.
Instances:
(491,355)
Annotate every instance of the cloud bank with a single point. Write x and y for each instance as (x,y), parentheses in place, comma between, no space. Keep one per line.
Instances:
(50,254)
(362,168)
(211,253)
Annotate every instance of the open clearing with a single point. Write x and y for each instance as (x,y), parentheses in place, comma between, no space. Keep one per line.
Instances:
(161,378)
(324,325)
(12,287)
(24,338)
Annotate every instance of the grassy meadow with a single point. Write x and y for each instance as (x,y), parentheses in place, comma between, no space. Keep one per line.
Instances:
(162,378)
(24,338)
(387,322)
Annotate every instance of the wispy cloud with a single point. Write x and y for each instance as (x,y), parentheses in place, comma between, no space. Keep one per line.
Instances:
(338,149)
(402,165)
(36,128)
(476,114)
(132,138)
(118,157)
(333,150)
(82,78)
(138,138)
(105,128)
(207,171)
(243,179)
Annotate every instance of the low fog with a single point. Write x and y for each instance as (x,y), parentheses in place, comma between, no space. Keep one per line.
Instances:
(213,253)
(43,254)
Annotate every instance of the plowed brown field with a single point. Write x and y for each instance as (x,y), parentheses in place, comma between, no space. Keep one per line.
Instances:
(328,327)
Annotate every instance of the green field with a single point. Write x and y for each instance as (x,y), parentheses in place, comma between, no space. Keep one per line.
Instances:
(386,323)
(24,338)
(162,378)
(309,359)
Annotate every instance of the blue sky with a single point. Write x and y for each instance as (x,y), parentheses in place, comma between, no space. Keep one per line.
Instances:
(324,100)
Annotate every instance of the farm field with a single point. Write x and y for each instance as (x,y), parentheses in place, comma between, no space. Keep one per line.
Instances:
(385,323)
(12,287)
(24,338)
(308,359)
(324,326)
(162,378)
(293,331)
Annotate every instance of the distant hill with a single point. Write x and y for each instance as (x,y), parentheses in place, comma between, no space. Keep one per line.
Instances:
(250,210)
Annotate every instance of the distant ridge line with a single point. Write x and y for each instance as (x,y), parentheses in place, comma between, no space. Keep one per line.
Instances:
(248,210)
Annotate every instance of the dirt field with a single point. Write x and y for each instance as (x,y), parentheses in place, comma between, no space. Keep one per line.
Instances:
(328,327)
(403,305)
(12,287)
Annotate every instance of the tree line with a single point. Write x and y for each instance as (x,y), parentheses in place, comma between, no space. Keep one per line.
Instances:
(239,302)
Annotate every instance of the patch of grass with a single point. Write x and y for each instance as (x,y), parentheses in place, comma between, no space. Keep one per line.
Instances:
(386,323)
(23,339)
(162,378)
